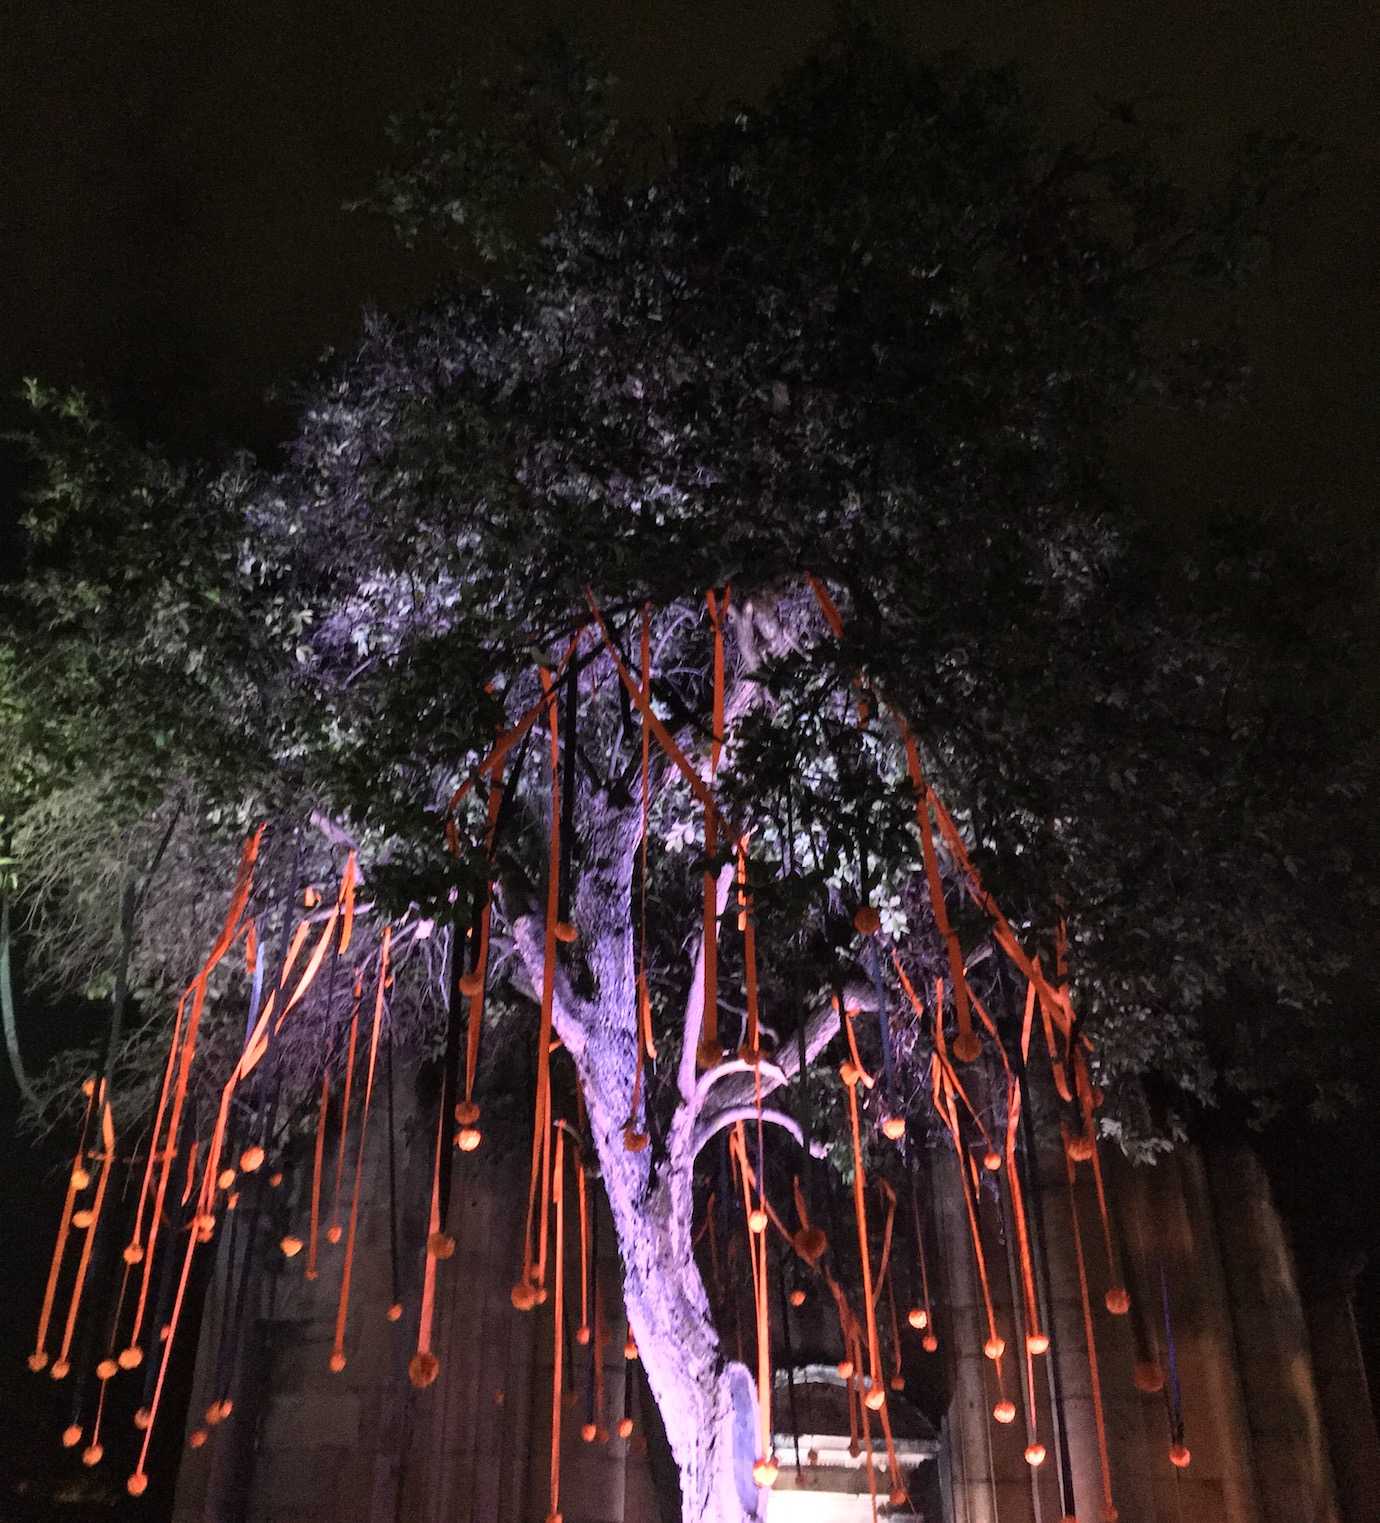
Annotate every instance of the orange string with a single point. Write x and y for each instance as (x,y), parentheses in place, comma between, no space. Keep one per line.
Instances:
(1104,1215)
(927,799)
(558,1328)
(949,1115)
(827,606)
(139,1473)
(890,1281)
(318,954)
(867,1449)
(239,898)
(318,1157)
(860,1212)
(136,1241)
(139,1480)
(534,1264)
(864,1078)
(493,761)
(1013,1179)
(582,1191)
(963,1046)
(644,999)
(601,1338)
(343,1309)
(759,1249)
(749,954)
(643,701)
(40,1354)
(546,1156)
(714,1267)
(884,1262)
(422,1367)
(893,1465)
(333,1230)
(924,1265)
(717,613)
(89,1238)
(475,1013)
(1094,1376)
(950,1073)
(709,1041)
(757,1257)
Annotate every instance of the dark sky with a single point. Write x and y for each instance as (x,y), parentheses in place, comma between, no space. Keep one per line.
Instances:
(171,180)
(171,232)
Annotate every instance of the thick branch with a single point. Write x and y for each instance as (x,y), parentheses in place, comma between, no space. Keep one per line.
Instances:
(694,1003)
(730,1066)
(529,936)
(739,1090)
(724,1118)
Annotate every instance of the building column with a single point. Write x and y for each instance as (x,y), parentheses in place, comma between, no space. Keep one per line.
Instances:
(1171,1250)
(1129,1460)
(1339,1372)
(1272,1349)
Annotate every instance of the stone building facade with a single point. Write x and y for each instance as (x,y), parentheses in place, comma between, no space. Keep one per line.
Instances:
(1274,1398)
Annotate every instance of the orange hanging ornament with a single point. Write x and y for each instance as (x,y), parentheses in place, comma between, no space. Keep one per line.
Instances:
(337,1360)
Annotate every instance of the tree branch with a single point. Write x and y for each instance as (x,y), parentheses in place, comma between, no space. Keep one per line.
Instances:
(740,1088)
(694,1003)
(734,1066)
(725,1118)
(529,936)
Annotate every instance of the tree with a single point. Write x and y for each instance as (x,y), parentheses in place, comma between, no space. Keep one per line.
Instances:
(858,349)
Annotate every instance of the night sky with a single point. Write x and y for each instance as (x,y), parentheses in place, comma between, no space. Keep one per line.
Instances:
(171,236)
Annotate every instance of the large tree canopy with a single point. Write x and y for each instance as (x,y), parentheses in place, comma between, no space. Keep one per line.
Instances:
(876,329)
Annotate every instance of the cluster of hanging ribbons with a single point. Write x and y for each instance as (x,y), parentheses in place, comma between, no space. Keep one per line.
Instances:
(146,1314)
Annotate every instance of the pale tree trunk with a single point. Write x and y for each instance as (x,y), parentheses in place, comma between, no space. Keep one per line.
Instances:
(708,1403)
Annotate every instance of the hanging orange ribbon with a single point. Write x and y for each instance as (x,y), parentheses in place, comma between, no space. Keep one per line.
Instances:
(924,1323)
(534,1256)
(558,1325)
(343,1307)
(89,1238)
(318,1157)
(582,1332)
(239,899)
(995,1345)
(424,1366)
(753,1043)
(644,999)
(77,1180)
(709,1048)
(493,761)
(334,1230)
(764,1470)
(1094,1374)
(966,1043)
(877,1394)
(134,1252)
(473,985)
(643,701)
(1055,1002)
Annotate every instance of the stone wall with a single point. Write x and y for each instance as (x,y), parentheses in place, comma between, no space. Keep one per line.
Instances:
(307,1445)
(1272,1390)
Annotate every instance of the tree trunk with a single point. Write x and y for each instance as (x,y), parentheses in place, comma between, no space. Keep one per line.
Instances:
(708,1404)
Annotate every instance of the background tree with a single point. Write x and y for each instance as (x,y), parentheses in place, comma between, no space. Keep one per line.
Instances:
(875,332)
